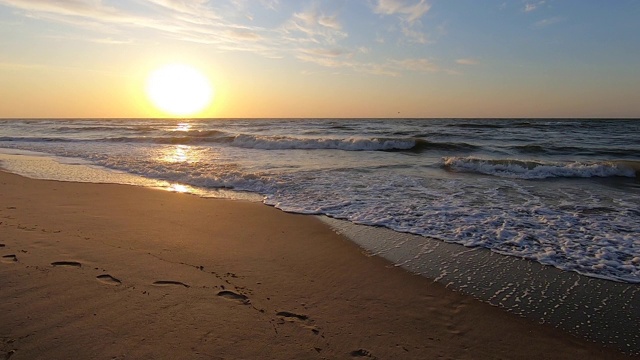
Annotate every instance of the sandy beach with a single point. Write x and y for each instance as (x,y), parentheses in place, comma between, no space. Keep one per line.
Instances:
(102,271)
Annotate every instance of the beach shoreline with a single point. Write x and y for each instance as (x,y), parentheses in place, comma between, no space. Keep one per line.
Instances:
(118,271)
(600,310)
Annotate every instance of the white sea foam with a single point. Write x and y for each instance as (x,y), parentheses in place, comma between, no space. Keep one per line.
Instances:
(591,239)
(538,170)
(348,144)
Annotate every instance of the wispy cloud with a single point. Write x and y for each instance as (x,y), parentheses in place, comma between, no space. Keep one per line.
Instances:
(548,22)
(243,35)
(194,8)
(390,67)
(410,11)
(419,65)
(532,6)
(314,35)
(325,52)
(415,36)
(344,63)
(270,4)
(467,61)
(67,8)
(193,21)
(314,26)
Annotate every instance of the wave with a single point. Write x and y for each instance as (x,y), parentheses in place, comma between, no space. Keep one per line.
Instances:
(546,149)
(476,126)
(347,144)
(425,145)
(250,141)
(572,150)
(522,169)
(35,139)
(202,133)
(80,128)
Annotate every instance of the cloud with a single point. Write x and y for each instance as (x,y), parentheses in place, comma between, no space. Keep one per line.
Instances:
(528,7)
(467,61)
(193,21)
(270,4)
(315,27)
(315,35)
(243,34)
(326,61)
(415,36)
(548,22)
(330,22)
(386,69)
(410,12)
(195,7)
(325,52)
(418,65)
(66,7)
(112,41)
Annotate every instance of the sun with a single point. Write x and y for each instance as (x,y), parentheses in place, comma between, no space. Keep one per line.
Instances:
(179,90)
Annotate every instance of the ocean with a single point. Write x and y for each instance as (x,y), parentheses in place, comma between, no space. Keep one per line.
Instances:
(564,193)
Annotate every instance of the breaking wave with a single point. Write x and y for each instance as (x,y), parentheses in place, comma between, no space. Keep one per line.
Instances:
(266,142)
(522,169)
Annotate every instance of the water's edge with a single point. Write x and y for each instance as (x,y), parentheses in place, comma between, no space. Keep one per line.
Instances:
(599,310)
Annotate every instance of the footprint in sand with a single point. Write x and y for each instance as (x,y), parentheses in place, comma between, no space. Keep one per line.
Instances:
(9,354)
(9,258)
(108,279)
(362,353)
(169,282)
(292,316)
(298,318)
(66,263)
(234,296)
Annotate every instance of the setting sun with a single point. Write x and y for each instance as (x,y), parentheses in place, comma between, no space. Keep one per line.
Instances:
(179,90)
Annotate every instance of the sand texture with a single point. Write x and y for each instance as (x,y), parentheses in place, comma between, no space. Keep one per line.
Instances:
(97,271)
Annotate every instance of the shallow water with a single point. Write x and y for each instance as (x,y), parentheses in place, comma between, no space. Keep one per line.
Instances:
(602,311)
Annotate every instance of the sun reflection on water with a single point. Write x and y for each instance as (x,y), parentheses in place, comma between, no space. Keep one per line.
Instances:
(179,188)
(183,126)
(181,154)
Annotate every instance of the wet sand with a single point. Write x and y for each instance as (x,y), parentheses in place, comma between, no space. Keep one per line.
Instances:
(99,271)
(600,310)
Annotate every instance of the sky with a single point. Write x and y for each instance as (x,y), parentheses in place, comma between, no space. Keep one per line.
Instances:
(334,58)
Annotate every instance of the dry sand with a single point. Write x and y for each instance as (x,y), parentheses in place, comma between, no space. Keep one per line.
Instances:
(97,271)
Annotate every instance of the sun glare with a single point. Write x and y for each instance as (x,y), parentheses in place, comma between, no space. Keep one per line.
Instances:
(179,90)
